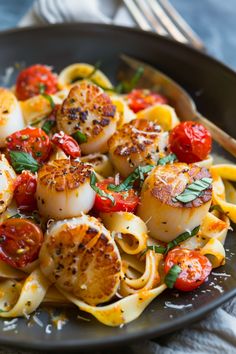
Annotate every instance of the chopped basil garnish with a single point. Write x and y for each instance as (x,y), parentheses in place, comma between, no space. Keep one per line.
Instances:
(157,249)
(49,98)
(167,159)
(182,237)
(80,137)
(22,161)
(48,125)
(128,183)
(93,181)
(15,216)
(126,87)
(172,276)
(193,190)
(42,92)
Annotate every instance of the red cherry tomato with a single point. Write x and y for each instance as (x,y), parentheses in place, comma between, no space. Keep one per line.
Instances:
(195,268)
(20,242)
(124,201)
(24,192)
(190,141)
(33,79)
(34,141)
(139,99)
(67,144)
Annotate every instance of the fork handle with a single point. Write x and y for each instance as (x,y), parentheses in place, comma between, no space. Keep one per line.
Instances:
(220,136)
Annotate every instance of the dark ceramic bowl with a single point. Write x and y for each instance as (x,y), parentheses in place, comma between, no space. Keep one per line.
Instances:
(212,86)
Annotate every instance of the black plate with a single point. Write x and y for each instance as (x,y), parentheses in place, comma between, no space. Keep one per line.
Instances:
(211,84)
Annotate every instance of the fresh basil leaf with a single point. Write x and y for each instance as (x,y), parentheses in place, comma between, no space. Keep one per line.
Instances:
(48,125)
(80,137)
(172,276)
(23,161)
(193,190)
(157,249)
(93,181)
(49,98)
(167,159)
(138,174)
(181,238)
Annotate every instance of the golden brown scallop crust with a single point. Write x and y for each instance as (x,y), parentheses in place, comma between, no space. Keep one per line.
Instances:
(64,174)
(86,109)
(172,179)
(138,137)
(84,261)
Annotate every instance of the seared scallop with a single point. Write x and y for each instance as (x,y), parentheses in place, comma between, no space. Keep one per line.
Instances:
(11,118)
(89,110)
(7,179)
(79,256)
(139,142)
(63,189)
(166,217)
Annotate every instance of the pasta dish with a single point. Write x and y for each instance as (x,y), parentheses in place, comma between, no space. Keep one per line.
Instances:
(107,198)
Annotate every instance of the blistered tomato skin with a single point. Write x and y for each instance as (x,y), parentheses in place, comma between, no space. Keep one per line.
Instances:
(190,141)
(68,144)
(33,141)
(195,268)
(24,193)
(20,242)
(140,99)
(32,80)
(123,201)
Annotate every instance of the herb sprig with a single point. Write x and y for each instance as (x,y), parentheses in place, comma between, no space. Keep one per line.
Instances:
(193,190)
(182,237)
(128,183)
(93,181)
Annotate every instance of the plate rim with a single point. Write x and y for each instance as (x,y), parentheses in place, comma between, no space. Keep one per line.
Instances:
(174,324)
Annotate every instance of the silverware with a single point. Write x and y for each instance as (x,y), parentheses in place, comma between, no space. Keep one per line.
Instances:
(160,16)
(178,97)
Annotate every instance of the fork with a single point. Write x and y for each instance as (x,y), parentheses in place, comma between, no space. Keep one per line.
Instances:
(160,16)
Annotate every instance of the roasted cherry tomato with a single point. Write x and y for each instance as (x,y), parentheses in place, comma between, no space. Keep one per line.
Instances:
(34,141)
(34,79)
(124,201)
(195,268)
(190,141)
(139,99)
(20,242)
(24,193)
(67,144)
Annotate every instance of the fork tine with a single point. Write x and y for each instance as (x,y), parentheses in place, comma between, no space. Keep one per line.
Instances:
(182,24)
(168,24)
(137,15)
(148,13)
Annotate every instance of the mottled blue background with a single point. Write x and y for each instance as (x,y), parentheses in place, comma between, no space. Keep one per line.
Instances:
(213,20)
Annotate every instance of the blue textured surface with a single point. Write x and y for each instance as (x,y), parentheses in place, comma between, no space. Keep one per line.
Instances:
(213,20)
